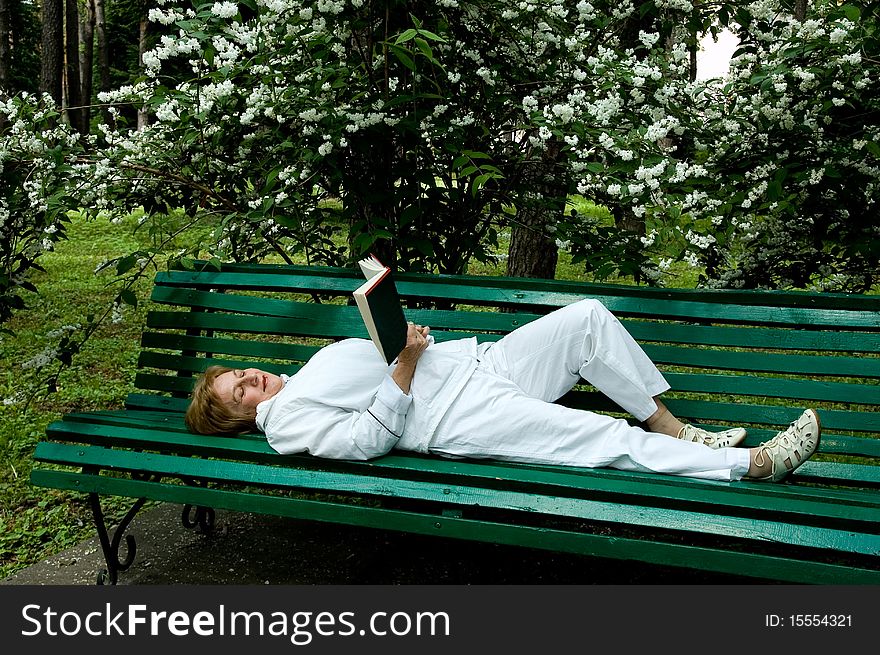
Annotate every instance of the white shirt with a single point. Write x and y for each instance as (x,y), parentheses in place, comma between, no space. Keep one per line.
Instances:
(343,404)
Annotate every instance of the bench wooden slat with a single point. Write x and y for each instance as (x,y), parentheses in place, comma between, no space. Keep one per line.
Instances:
(641,306)
(187,364)
(814,506)
(752,385)
(831,444)
(721,384)
(754,337)
(261,349)
(767,528)
(716,560)
(641,330)
(326,275)
(155,416)
(345,322)
(144,401)
(790,364)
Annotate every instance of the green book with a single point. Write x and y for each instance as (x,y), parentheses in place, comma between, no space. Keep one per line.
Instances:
(380,308)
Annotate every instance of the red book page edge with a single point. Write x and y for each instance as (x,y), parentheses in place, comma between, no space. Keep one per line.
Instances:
(375,281)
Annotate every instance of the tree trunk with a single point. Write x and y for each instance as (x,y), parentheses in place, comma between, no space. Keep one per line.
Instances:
(5,35)
(52,49)
(143,118)
(103,54)
(370,198)
(87,40)
(800,9)
(533,251)
(72,87)
(629,38)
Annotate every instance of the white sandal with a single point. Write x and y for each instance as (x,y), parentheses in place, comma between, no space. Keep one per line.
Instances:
(791,447)
(724,439)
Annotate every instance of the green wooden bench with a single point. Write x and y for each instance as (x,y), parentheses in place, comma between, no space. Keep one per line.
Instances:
(733,358)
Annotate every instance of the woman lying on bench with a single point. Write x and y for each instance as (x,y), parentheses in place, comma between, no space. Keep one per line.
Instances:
(491,400)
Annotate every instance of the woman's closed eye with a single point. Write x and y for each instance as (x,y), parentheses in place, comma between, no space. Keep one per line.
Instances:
(238,392)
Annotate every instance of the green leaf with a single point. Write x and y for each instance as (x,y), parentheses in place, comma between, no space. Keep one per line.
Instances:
(424,246)
(430,35)
(125,264)
(406,36)
(127,296)
(404,57)
(851,12)
(479,182)
(873,148)
(426,49)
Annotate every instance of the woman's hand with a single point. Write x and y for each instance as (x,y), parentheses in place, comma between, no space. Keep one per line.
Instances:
(416,342)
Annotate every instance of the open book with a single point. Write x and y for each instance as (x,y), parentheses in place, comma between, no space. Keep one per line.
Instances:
(380,308)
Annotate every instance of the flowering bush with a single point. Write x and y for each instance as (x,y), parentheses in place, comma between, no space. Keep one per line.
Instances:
(795,137)
(416,129)
(38,184)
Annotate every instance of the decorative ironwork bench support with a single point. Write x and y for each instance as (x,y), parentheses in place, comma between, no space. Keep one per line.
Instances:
(203,519)
(110,545)
(192,517)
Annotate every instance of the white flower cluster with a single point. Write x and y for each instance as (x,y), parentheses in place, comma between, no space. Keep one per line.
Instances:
(224,9)
(41,359)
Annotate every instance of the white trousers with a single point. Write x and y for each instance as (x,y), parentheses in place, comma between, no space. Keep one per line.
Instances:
(506,410)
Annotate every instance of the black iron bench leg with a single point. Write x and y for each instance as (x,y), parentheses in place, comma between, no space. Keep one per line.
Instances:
(110,545)
(203,519)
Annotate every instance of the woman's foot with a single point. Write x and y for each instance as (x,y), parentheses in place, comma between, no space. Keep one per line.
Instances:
(724,439)
(775,459)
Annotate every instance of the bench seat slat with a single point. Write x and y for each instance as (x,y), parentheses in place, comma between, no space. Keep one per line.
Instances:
(808,503)
(768,528)
(157,402)
(813,471)
(717,560)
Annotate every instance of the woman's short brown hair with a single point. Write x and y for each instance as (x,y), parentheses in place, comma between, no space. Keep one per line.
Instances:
(208,414)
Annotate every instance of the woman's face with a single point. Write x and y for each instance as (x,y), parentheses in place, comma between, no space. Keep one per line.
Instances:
(244,389)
